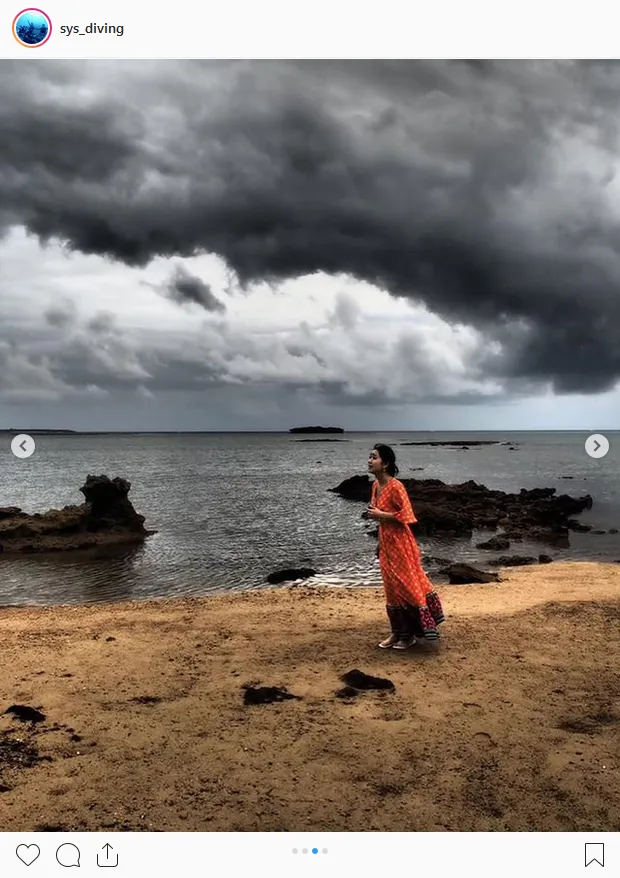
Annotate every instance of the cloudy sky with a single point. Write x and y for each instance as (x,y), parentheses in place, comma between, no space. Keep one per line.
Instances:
(249,246)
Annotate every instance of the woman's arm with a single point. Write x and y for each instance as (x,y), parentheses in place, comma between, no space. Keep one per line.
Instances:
(380,515)
(387,516)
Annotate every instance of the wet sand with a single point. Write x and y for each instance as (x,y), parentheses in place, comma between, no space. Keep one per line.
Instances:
(512,722)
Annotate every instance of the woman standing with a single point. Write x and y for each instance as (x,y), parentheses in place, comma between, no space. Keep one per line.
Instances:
(413,606)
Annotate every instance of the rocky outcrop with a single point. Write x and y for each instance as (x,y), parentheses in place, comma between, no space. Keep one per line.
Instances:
(458,443)
(466,574)
(290,574)
(457,510)
(320,440)
(316,430)
(105,518)
(512,561)
(495,544)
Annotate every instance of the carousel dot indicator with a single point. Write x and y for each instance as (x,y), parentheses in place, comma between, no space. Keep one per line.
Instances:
(315,850)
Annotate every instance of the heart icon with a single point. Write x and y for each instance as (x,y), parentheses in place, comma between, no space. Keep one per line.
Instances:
(27,853)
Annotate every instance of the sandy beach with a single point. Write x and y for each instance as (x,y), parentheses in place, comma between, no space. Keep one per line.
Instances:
(512,722)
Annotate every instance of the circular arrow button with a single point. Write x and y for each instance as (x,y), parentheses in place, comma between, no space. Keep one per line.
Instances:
(23,445)
(597,445)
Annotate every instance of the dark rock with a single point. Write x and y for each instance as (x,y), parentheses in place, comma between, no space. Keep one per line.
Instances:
(25,714)
(146,699)
(10,512)
(433,559)
(321,440)
(290,574)
(545,559)
(456,510)
(354,488)
(266,694)
(346,692)
(107,517)
(466,574)
(316,430)
(359,680)
(512,561)
(458,443)
(612,530)
(567,477)
(110,639)
(598,532)
(557,536)
(495,544)
(108,502)
(577,526)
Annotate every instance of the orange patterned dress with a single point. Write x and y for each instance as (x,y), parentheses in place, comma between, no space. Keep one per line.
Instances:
(413,606)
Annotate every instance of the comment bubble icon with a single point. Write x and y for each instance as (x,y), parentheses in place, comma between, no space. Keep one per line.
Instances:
(68,855)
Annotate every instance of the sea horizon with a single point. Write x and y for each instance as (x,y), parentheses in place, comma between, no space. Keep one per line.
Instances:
(71,432)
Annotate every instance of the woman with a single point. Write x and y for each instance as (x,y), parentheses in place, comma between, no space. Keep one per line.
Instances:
(413,606)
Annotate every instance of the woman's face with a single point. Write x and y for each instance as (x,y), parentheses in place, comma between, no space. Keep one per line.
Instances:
(375,464)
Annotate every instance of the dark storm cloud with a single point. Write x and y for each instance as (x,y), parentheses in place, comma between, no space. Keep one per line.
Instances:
(483,190)
(61,315)
(187,289)
(103,323)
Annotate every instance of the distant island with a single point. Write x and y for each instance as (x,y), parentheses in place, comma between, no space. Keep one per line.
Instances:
(17,430)
(316,430)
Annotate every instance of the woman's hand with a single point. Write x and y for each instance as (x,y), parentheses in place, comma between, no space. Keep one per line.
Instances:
(375,513)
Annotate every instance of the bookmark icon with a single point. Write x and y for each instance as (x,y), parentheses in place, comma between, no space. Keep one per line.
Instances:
(595,853)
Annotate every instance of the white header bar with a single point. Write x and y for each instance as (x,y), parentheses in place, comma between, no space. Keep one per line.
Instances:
(320,29)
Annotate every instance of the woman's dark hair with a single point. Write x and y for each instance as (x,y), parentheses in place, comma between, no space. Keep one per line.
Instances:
(388,457)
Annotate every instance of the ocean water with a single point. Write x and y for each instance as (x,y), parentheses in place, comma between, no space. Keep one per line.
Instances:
(231,508)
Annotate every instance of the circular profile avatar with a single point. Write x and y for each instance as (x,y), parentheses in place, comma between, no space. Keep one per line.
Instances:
(32,28)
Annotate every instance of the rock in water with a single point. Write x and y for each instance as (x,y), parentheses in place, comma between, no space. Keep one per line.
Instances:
(495,544)
(354,488)
(110,507)
(290,574)
(107,517)
(457,510)
(316,430)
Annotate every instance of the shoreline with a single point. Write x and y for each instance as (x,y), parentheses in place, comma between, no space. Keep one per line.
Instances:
(320,581)
(512,722)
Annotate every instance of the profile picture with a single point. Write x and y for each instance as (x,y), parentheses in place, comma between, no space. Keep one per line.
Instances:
(32,28)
